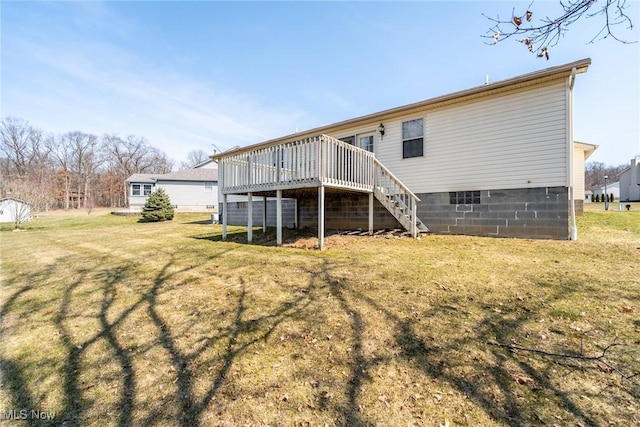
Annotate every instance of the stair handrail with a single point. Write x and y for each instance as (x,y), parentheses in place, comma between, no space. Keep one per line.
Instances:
(395,179)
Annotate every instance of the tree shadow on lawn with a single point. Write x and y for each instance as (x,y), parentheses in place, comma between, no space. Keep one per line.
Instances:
(199,222)
(240,336)
(260,238)
(244,332)
(433,359)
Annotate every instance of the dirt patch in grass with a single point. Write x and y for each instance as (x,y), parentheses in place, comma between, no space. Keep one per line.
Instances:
(109,322)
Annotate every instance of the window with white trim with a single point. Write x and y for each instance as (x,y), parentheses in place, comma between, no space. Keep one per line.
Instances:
(208,187)
(413,138)
(141,189)
(366,142)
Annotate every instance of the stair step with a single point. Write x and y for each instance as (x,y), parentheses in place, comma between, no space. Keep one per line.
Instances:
(398,209)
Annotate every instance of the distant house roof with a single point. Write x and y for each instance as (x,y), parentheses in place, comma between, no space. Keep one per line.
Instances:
(204,163)
(635,162)
(200,174)
(610,186)
(141,177)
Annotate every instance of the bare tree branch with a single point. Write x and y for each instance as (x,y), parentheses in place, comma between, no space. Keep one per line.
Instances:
(541,34)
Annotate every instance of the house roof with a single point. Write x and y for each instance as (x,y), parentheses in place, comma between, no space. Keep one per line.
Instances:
(201,164)
(141,177)
(547,74)
(588,148)
(634,162)
(610,186)
(200,174)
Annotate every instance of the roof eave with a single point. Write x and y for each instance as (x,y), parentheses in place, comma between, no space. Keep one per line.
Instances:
(589,149)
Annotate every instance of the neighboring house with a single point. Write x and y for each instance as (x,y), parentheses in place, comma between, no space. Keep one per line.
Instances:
(581,152)
(207,164)
(194,189)
(494,160)
(612,188)
(630,182)
(12,208)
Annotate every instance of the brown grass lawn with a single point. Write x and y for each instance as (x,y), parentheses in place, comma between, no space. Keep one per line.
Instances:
(106,321)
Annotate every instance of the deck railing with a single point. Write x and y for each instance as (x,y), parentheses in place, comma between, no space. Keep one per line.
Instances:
(309,162)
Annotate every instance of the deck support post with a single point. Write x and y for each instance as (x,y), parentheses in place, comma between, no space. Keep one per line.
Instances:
(321,217)
(249,217)
(414,219)
(370,214)
(224,217)
(264,215)
(279,218)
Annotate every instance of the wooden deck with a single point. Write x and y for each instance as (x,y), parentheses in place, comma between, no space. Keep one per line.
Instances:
(317,162)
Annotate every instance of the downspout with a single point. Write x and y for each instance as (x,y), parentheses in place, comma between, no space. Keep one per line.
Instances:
(574,227)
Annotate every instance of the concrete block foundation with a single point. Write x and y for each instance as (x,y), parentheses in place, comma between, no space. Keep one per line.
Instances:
(531,213)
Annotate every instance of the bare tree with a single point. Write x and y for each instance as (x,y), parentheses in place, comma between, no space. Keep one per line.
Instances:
(162,163)
(43,169)
(16,144)
(128,156)
(133,154)
(61,149)
(26,169)
(84,161)
(539,34)
(194,157)
(594,173)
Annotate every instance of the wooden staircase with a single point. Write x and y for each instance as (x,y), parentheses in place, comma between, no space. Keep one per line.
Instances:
(397,199)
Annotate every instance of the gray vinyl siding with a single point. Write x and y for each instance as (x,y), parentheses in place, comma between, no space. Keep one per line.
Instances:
(515,140)
(137,201)
(190,193)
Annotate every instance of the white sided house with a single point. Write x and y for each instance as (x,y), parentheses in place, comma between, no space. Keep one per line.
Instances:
(611,188)
(494,160)
(581,152)
(190,190)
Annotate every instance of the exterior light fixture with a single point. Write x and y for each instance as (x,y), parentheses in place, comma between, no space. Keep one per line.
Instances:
(381,130)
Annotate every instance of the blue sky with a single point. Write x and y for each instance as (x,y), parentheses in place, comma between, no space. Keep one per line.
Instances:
(187,75)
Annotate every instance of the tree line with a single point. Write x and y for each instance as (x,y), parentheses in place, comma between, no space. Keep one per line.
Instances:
(594,173)
(75,169)
(80,170)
